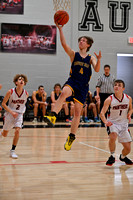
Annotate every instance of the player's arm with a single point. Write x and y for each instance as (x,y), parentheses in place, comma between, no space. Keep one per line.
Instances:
(68,50)
(91,97)
(44,96)
(97,97)
(96,63)
(27,94)
(5,100)
(130,111)
(104,110)
(53,97)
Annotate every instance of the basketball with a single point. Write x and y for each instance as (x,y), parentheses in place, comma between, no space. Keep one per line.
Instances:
(61,17)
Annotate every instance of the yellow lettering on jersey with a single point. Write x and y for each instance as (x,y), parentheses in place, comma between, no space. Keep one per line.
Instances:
(81,71)
(81,64)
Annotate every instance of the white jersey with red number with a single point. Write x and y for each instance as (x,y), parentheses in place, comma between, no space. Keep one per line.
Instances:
(16,102)
(119,109)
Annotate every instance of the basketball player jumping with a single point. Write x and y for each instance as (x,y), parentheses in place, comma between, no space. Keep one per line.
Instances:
(78,82)
(17,98)
(120,111)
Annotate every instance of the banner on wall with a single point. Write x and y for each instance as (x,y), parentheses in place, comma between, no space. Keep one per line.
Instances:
(27,38)
(11,6)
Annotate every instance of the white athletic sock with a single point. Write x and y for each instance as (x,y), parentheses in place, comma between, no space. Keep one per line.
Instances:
(122,156)
(113,154)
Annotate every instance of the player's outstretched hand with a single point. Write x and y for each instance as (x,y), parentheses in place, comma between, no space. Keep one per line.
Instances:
(98,56)
(59,26)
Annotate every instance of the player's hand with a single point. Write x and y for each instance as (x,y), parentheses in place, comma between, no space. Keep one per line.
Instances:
(108,123)
(14,114)
(45,103)
(97,97)
(98,56)
(59,26)
(129,117)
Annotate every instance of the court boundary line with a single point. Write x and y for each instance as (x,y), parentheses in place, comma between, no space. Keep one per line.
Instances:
(97,148)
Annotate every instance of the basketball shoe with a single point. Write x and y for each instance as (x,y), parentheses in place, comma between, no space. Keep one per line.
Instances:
(50,119)
(13,154)
(110,161)
(126,160)
(69,141)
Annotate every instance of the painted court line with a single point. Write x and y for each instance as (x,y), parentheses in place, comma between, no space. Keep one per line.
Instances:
(52,162)
(96,148)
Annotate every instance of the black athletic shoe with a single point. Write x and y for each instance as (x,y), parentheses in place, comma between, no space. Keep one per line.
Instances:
(110,161)
(126,160)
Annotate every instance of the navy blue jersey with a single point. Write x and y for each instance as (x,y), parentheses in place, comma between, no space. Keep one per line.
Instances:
(81,69)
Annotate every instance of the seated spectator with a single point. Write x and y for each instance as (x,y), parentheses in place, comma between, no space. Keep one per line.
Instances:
(39,101)
(70,102)
(90,105)
(54,96)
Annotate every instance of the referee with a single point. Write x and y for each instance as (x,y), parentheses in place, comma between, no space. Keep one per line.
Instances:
(104,87)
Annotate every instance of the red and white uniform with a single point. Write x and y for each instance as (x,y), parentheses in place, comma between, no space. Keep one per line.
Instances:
(118,117)
(119,110)
(16,102)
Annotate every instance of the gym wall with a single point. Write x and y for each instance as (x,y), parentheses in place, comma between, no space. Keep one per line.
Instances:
(108,22)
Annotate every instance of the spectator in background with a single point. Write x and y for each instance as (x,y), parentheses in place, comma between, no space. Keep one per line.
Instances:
(54,96)
(104,87)
(90,105)
(70,102)
(39,101)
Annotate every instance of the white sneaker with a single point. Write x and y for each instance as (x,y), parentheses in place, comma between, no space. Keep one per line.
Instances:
(34,121)
(13,154)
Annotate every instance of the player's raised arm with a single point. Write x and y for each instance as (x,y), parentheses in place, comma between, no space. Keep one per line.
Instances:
(96,63)
(68,50)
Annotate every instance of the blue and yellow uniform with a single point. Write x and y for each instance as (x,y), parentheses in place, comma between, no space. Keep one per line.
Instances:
(80,75)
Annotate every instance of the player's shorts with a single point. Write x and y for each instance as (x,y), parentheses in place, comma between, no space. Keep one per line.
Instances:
(79,91)
(69,99)
(11,122)
(122,131)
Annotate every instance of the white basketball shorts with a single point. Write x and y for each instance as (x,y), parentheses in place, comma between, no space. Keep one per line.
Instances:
(11,122)
(122,132)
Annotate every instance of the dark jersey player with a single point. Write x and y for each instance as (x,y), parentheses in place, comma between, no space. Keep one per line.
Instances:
(77,83)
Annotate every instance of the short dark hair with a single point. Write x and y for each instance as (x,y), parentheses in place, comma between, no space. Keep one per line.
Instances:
(90,41)
(57,84)
(40,86)
(106,66)
(120,81)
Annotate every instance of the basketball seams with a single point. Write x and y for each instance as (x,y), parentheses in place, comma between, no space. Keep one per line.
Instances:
(61,17)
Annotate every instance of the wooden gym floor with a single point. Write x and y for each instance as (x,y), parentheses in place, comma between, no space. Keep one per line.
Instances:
(45,171)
